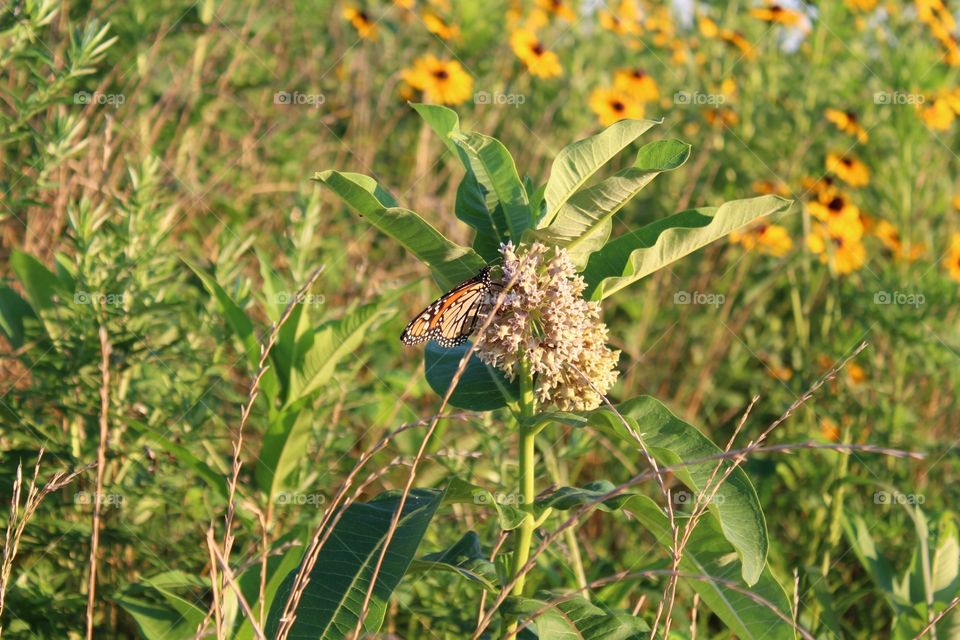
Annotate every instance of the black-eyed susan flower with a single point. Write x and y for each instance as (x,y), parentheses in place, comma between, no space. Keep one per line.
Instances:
(405,4)
(720,118)
(771,239)
(840,247)
(439,27)
(951,262)
(539,60)
(861,5)
(956,201)
(833,208)
(770,187)
(623,18)
(366,27)
(613,105)
(816,186)
(888,236)
(736,39)
(847,122)
(559,8)
(708,28)
(441,81)
(852,171)
(638,83)
(778,14)
(939,112)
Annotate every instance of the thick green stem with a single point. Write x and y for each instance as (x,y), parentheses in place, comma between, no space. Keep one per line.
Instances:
(527,489)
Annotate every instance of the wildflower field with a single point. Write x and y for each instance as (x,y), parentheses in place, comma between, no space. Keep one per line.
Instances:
(458,319)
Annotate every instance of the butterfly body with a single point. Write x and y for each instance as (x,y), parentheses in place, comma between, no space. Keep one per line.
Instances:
(453,317)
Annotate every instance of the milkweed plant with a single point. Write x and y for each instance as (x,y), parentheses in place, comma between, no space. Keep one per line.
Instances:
(539,352)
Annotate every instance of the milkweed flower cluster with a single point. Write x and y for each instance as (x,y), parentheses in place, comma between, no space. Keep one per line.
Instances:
(545,320)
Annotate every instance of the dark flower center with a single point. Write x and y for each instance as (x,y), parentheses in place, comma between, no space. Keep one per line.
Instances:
(836,204)
(537,49)
(618,106)
(847,162)
(363,16)
(639,73)
(441,74)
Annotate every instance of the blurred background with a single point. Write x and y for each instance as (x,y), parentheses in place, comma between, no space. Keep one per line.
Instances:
(155,164)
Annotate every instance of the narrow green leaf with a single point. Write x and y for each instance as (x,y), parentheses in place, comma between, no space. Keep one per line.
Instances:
(215,480)
(449,262)
(584,222)
(481,387)
(635,255)
(496,172)
(946,560)
(672,442)
(458,491)
(464,558)
(578,162)
(14,310)
(243,328)
(331,604)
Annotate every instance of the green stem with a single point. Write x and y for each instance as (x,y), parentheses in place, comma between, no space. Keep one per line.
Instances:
(524,534)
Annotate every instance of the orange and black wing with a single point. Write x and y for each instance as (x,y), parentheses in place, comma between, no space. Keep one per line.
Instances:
(453,316)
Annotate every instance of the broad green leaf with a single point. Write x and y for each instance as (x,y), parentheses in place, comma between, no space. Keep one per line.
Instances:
(480,388)
(879,569)
(577,163)
(635,255)
(283,449)
(466,559)
(243,328)
(496,172)
(166,615)
(474,205)
(576,618)
(449,262)
(709,562)
(45,291)
(945,567)
(584,222)
(13,311)
(672,442)
(331,604)
(278,567)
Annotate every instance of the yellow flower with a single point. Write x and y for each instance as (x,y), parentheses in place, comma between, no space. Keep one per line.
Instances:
(829,430)
(438,27)
(361,21)
(861,5)
(952,261)
(783,373)
(937,114)
(404,4)
(839,247)
(708,28)
(637,83)
(835,210)
(817,186)
(612,105)
(771,239)
(847,122)
(848,169)
(956,201)
(855,373)
(441,81)
(540,62)
(889,236)
(559,8)
(736,39)
(774,13)
(768,187)
(624,21)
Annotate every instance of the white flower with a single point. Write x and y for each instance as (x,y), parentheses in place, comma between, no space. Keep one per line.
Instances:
(545,320)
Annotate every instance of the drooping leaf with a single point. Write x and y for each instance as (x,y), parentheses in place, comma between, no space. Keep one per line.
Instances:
(464,558)
(577,163)
(44,290)
(496,172)
(330,605)
(632,256)
(509,514)
(449,263)
(709,563)
(480,388)
(159,608)
(673,442)
(14,311)
(584,222)
(557,616)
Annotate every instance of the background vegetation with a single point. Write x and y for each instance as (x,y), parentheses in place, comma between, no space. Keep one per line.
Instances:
(156,210)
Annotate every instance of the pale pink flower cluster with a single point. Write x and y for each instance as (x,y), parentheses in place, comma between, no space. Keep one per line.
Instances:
(545,320)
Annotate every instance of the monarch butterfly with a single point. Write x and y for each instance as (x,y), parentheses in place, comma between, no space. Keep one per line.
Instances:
(452,317)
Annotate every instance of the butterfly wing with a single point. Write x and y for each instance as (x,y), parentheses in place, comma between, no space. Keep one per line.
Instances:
(452,317)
